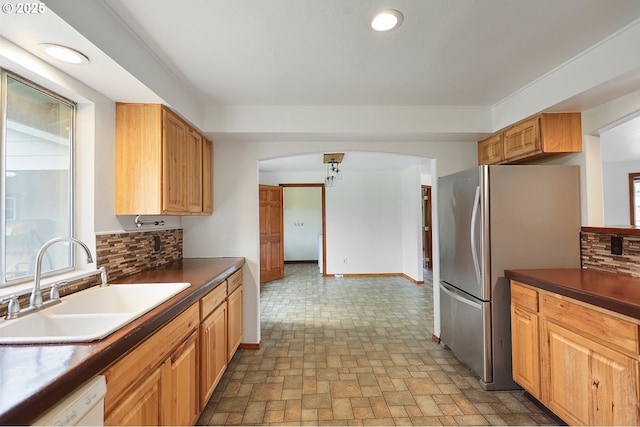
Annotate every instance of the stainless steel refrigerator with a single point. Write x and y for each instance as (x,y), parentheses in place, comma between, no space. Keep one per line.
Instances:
(491,219)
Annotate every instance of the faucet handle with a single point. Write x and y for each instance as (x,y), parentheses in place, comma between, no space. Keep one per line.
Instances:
(13,306)
(54,293)
(104,278)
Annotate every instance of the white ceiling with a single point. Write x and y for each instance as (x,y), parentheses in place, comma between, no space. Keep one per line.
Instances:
(622,143)
(322,52)
(275,53)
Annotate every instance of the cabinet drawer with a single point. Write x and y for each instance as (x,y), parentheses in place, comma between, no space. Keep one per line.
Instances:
(524,297)
(594,322)
(234,281)
(214,298)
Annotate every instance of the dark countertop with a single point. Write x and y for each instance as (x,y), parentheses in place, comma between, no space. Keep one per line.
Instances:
(614,229)
(33,378)
(615,292)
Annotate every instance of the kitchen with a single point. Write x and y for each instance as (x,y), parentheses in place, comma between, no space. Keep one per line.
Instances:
(244,136)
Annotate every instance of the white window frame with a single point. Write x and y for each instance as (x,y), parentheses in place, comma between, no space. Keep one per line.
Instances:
(4,74)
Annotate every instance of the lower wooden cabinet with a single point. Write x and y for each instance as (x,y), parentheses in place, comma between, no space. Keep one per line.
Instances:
(141,407)
(169,378)
(525,349)
(156,383)
(234,304)
(213,351)
(579,360)
(182,367)
(588,383)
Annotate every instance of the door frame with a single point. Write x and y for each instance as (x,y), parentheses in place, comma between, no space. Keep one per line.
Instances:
(632,199)
(324,222)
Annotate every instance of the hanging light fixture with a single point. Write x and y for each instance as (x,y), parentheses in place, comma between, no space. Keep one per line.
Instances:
(333,160)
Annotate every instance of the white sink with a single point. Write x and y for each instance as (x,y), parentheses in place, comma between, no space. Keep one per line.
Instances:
(137,298)
(88,315)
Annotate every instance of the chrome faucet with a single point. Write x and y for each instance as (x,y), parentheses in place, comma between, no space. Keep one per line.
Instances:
(36,294)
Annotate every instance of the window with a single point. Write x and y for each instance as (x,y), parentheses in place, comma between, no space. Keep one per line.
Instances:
(37,185)
(634,197)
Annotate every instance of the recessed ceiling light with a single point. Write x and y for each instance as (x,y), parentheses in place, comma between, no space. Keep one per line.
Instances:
(386,20)
(64,53)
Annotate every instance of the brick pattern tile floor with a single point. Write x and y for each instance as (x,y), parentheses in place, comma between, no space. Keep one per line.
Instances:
(354,351)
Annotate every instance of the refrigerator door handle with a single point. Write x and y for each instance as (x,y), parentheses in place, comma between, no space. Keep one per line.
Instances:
(458,296)
(473,228)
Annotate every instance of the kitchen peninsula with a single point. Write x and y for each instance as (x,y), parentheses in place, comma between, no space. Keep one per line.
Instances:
(576,343)
(36,377)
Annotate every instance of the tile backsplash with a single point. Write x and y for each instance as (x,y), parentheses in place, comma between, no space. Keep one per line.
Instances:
(596,253)
(124,254)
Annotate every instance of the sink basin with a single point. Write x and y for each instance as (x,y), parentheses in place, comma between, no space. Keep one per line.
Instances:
(45,328)
(137,298)
(88,315)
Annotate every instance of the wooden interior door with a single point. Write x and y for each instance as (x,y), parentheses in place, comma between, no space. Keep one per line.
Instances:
(271,239)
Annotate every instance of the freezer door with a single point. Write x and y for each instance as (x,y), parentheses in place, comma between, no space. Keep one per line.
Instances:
(461,239)
(466,330)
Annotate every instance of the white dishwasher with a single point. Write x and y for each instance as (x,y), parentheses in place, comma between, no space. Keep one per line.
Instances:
(83,407)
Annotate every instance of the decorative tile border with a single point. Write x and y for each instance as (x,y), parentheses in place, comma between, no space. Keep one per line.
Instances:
(123,254)
(596,253)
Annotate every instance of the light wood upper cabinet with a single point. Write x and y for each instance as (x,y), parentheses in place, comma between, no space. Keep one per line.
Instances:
(207,177)
(174,161)
(522,140)
(193,172)
(588,357)
(540,136)
(491,150)
(161,167)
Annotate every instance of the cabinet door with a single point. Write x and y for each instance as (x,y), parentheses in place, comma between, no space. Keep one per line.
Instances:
(491,150)
(525,350)
(234,302)
(213,352)
(174,161)
(207,176)
(193,171)
(183,394)
(614,386)
(138,159)
(567,385)
(141,407)
(522,140)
